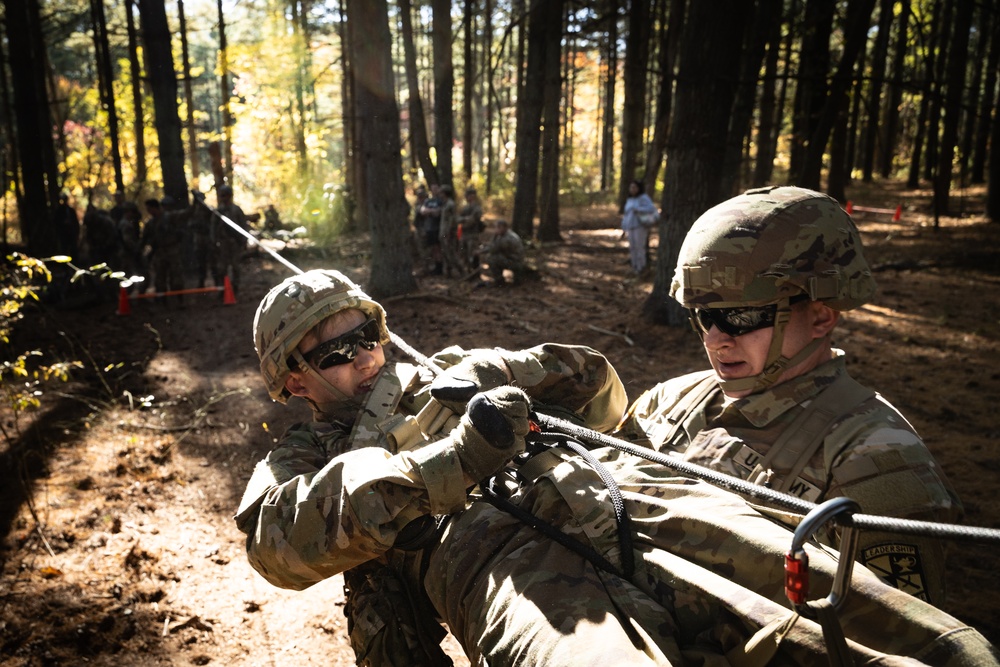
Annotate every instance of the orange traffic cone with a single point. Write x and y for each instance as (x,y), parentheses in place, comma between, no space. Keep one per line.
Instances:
(899,213)
(850,207)
(124,307)
(228,296)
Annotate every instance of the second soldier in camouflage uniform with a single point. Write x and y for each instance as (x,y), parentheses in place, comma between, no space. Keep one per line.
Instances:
(229,243)
(382,486)
(766,275)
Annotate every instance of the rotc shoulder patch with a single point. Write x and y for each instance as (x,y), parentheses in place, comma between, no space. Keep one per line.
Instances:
(897,565)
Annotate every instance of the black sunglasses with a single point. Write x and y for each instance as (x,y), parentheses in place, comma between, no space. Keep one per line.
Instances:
(344,348)
(737,321)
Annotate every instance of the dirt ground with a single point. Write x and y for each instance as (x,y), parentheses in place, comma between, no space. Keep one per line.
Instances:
(116,502)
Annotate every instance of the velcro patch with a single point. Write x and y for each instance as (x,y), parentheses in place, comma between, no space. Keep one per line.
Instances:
(897,565)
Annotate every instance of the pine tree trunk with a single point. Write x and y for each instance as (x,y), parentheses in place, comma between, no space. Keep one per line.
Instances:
(766,128)
(706,87)
(548,218)
(634,106)
(163,83)
(891,124)
(876,82)
(105,80)
(138,126)
(980,148)
(811,89)
(188,96)
(226,92)
(468,88)
(667,60)
(444,84)
(34,134)
(382,204)
(958,56)
(608,109)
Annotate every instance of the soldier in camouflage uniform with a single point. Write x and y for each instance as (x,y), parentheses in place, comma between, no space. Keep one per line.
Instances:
(765,276)
(164,233)
(470,220)
(451,253)
(533,567)
(229,243)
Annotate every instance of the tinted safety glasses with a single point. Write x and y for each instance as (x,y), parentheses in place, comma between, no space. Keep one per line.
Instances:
(737,321)
(344,348)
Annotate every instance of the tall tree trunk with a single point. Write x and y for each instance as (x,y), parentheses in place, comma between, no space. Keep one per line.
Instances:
(811,88)
(854,124)
(767,13)
(163,83)
(859,13)
(11,156)
(301,48)
(836,180)
(876,81)
(987,107)
(608,107)
(138,124)
(377,115)
(490,106)
(634,107)
(937,96)
(667,58)
(548,218)
(927,91)
(958,56)
(468,87)
(34,127)
(971,102)
(766,128)
(418,122)
(707,78)
(105,84)
(353,175)
(226,91)
(891,124)
(444,84)
(529,118)
(192,131)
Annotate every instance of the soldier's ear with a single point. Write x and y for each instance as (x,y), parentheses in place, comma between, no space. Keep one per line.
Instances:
(295,387)
(823,318)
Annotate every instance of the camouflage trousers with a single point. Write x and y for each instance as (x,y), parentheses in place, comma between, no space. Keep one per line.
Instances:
(708,576)
(226,261)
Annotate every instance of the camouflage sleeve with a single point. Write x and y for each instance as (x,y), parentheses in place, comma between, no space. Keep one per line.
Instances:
(646,421)
(310,512)
(576,378)
(887,468)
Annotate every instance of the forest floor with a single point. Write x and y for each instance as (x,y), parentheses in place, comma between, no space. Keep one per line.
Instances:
(116,500)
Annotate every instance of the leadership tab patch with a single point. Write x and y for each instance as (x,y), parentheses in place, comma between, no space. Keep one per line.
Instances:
(897,565)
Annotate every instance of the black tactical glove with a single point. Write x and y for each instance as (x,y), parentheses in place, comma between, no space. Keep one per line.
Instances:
(492,431)
(480,371)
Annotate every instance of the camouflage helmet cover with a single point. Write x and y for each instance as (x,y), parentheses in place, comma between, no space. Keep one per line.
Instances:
(773,243)
(292,308)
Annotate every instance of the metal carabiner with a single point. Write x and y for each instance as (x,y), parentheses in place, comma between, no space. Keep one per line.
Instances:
(797,561)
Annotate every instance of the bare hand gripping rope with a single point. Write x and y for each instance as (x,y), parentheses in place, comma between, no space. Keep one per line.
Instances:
(858,521)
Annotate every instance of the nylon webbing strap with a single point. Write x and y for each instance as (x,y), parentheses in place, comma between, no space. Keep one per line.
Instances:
(800,440)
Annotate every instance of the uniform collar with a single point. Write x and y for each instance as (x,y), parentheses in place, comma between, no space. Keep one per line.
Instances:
(762,408)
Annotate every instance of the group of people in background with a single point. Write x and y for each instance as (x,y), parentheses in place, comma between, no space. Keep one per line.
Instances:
(158,253)
(450,240)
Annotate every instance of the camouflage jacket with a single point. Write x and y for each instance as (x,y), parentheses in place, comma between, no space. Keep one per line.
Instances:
(866,451)
(708,574)
(506,248)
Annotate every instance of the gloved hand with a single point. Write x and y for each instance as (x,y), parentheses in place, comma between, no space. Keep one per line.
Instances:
(482,370)
(492,431)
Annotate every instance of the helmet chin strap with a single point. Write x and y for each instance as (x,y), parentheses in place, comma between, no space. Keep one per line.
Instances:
(325,408)
(775,363)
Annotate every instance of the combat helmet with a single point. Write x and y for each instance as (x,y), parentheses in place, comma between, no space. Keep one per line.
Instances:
(291,309)
(769,246)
